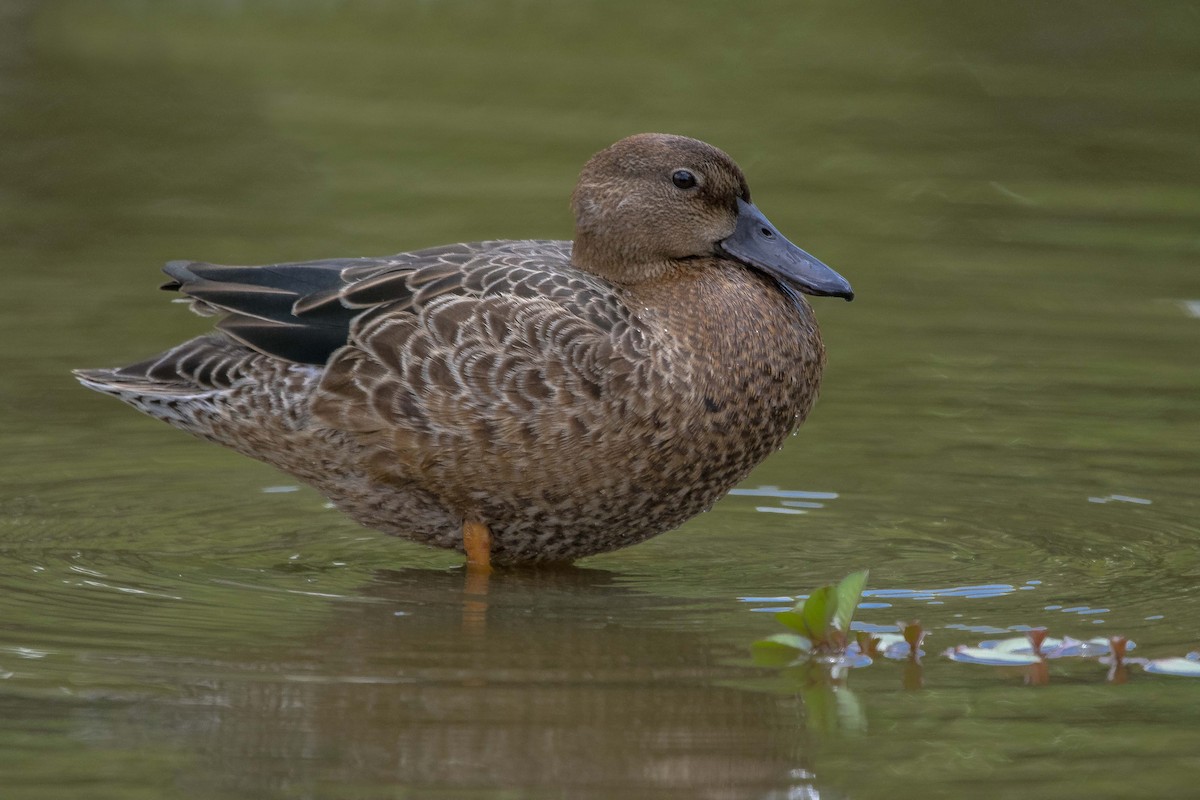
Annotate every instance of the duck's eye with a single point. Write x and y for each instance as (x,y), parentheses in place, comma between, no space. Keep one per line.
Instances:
(683,179)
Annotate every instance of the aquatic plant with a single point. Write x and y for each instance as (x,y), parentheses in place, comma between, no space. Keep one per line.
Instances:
(820,639)
(821,627)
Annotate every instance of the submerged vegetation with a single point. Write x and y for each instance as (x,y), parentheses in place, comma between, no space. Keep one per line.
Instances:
(823,642)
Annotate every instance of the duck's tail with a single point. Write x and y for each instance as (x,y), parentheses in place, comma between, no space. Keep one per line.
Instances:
(202,365)
(179,386)
(207,383)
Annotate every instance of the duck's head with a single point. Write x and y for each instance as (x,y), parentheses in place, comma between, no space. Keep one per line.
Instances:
(653,201)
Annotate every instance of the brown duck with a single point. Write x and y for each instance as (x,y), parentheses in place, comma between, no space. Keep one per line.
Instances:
(522,401)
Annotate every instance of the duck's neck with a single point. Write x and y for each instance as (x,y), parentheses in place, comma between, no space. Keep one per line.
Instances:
(728,311)
(620,261)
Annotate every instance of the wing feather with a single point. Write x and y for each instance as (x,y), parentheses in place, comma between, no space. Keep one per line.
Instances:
(504,340)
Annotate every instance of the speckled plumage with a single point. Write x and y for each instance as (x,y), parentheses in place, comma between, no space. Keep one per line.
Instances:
(573,402)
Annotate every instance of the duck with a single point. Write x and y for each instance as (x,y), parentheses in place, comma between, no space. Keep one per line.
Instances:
(519,401)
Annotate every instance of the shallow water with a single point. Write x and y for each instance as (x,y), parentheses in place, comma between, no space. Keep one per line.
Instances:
(1007,435)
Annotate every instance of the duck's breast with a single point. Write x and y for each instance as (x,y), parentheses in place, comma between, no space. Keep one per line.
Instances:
(743,361)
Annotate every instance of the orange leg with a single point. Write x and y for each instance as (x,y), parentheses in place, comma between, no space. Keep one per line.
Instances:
(477,542)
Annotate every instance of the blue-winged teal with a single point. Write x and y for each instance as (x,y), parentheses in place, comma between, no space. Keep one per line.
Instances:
(521,401)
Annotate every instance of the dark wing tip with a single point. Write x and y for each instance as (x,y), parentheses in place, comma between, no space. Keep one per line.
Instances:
(180,273)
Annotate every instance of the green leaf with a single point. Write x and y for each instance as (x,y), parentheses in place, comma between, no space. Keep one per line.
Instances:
(818,613)
(789,640)
(794,620)
(847,595)
(779,650)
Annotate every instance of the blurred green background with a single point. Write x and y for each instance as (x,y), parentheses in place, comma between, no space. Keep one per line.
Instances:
(1011,189)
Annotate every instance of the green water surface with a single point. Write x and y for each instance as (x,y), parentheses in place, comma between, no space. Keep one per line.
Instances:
(1008,434)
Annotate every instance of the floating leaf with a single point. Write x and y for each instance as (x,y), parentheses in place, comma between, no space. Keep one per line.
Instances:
(1065,647)
(891,645)
(851,659)
(1183,667)
(1089,648)
(990,656)
(1018,645)
(847,595)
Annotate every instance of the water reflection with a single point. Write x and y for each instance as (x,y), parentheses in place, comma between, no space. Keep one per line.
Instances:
(575,684)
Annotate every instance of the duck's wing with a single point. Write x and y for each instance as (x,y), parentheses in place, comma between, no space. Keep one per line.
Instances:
(501,333)
(257,305)
(303,311)
(508,348)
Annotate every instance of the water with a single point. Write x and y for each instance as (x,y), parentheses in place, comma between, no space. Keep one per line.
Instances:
(1007,435)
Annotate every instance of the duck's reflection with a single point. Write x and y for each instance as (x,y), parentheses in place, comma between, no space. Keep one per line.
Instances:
(571,685)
